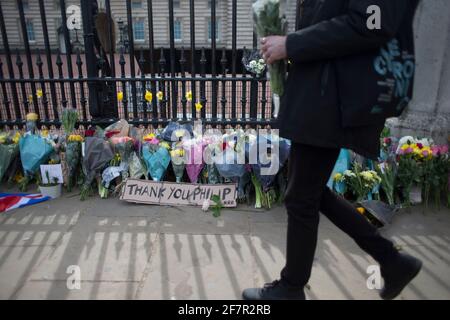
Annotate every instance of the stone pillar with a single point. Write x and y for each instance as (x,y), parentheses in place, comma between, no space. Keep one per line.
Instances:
(429,112)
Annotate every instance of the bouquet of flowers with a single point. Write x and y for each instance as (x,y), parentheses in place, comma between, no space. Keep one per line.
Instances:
(98,154)
(178,161)
(156,157)
(9,149)
(435,170)
(174,131)
(31,121)
(273,153)
(124,147)
(69,119)
(254,63)
(387,171)
(268,21)
(72,158)
(34,151)
(194,158)
(137,168)
(361,182)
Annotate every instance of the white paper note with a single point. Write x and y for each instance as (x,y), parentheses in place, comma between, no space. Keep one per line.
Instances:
(54,171)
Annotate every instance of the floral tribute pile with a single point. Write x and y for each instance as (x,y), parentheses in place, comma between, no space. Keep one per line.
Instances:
(409,171)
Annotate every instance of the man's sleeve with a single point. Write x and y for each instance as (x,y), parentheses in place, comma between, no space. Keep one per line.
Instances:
(346,34)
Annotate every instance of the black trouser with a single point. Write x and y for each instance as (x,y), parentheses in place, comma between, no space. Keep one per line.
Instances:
(307,193)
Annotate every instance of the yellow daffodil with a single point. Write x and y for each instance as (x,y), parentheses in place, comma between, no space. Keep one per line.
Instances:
(39,93)
(120,96)
(160,95)
(189,96)
(198,106)
(75,138)
(148,96)
(338,177)
(32,117)
(30,98)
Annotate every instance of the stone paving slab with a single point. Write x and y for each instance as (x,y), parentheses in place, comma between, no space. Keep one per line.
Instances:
(129,251)
(16,265)
(192,220)
(189,266)
(57,290)
(106,249)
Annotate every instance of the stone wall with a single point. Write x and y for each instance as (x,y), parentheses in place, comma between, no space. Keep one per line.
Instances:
(429,112)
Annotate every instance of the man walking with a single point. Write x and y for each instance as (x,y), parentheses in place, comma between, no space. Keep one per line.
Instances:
(352,66)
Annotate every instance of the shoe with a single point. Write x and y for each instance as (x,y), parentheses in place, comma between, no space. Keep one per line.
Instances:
(398,275)
(274,291)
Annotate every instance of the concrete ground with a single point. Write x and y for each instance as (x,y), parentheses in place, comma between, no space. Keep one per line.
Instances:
(130,251)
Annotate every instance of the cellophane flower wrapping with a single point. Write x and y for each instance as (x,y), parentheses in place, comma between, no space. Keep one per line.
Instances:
(253,62)
(8,152)
(98,154)
(177,155)
(157,160)
(124,147)
(34,151)
(72,160)
(137,168)
(194,161)
(280,149)
(269,21)
(170,132)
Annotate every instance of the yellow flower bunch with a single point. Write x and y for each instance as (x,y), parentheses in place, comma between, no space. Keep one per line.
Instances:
(75,138)
(338,177)
(44,133)
(370,176)
(160,95)
(16,137)
(149,136)
(32,117)
(39,93)
(198,106)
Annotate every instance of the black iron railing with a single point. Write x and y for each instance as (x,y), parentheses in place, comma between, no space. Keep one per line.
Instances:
(89,79)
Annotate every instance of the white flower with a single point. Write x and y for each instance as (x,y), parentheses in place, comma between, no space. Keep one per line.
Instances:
(205,206)
(253,64)
(262,62)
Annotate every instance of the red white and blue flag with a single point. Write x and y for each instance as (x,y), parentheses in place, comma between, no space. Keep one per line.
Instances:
(10,201)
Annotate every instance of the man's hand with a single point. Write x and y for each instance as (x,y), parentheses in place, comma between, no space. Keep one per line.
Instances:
(273,48)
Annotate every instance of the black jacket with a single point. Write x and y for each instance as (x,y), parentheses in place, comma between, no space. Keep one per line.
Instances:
(346,79)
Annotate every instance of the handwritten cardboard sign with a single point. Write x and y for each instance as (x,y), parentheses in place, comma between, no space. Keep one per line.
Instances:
(177,194)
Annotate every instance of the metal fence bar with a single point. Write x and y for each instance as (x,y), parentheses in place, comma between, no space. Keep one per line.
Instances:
(68,47)
(49,60)
(131,55)
(28,54)
(229,95)
(192,36)
(174,95)
(213,59)
(10,71)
